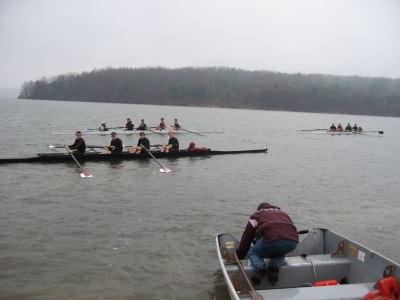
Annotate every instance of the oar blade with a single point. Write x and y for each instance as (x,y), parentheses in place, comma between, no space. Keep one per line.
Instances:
(165,170)
(85,175)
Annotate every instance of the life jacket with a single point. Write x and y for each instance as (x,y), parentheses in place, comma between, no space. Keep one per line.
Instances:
(388,289)
(192,147)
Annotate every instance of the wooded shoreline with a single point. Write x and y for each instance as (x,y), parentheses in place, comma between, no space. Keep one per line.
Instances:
(224,87)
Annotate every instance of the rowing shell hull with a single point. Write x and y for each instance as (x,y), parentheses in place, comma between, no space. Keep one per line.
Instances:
(57,157)
(133,132)
(339,132)
(322,256)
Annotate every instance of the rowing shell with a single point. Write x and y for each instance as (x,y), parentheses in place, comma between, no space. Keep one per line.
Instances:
(132,132)
(91,156)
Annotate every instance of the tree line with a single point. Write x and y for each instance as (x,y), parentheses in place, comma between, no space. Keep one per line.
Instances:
(224,87)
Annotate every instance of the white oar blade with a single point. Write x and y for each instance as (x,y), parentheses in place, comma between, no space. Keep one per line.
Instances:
(85,174)
(165,170)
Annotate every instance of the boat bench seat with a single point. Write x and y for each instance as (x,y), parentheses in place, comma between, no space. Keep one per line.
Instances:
(299,271)
(337,292)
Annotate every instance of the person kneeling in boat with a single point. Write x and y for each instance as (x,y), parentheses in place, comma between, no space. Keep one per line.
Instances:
(332,128)
(348,127)
(142,143)
(79,146)
(339,127)
(192,147)
(116,145)
(173,144)
(275,236)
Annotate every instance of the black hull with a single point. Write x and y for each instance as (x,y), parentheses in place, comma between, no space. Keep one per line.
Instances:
(57,157)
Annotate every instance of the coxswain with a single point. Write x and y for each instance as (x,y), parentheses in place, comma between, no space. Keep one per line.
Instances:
(116,145)
(79,146)
(192,147)
(103,126)
(332,128)
(359,128)
(339,127)
(129,125)
(162,125)
(348,127)
(355,127)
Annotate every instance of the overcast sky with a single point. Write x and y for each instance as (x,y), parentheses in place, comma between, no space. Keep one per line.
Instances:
(341,37)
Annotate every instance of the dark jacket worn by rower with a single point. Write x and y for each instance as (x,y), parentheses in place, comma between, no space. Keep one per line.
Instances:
(348,128)
(117,143)
(79,145)
(270,223)
(173,142)
(142,126)
(144,143)
(129,125)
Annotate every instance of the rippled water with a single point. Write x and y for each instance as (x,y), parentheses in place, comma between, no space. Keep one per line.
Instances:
(131,232)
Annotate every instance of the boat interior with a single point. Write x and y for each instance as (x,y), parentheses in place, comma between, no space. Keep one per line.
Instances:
(325,265)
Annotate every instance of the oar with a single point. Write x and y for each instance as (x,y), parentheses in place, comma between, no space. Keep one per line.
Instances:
(83,174)
(98,146)
(254,294)
(380,132)
(155,132)
(162,170)
(313,129)
(193,132)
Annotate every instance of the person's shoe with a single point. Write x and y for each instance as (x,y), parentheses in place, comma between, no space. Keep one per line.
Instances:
(273,273)
(257,277)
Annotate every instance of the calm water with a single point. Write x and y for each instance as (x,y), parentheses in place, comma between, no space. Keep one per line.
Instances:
(131,232)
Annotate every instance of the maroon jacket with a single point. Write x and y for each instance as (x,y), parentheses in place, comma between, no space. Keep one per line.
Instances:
(272,224)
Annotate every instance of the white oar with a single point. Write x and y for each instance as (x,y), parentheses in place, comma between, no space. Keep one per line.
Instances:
(163,169)
(83,174)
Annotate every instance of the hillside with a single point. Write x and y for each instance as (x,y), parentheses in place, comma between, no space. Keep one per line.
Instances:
(224,87)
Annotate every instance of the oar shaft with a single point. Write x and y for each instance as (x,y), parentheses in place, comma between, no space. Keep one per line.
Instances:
(254,294)
(153,157)
(192,132)
(73,156)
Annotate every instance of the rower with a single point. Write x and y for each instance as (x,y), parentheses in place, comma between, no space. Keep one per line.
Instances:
(162,125)
(129,125)
(348,127)
(176,125)
(116,145)
(142,125)
(339,127)
(79,145)
(142,143)
(355,127)
(332,128)
(173,144)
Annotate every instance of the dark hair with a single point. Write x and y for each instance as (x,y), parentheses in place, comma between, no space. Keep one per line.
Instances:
(262,205)
(78,132)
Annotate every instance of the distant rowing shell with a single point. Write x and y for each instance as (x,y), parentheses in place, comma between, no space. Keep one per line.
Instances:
(339,132)
(132,132)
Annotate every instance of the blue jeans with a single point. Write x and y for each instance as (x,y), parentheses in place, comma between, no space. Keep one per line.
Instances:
(275,250)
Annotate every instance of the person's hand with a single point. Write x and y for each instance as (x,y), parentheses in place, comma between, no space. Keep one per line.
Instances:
(112,147)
